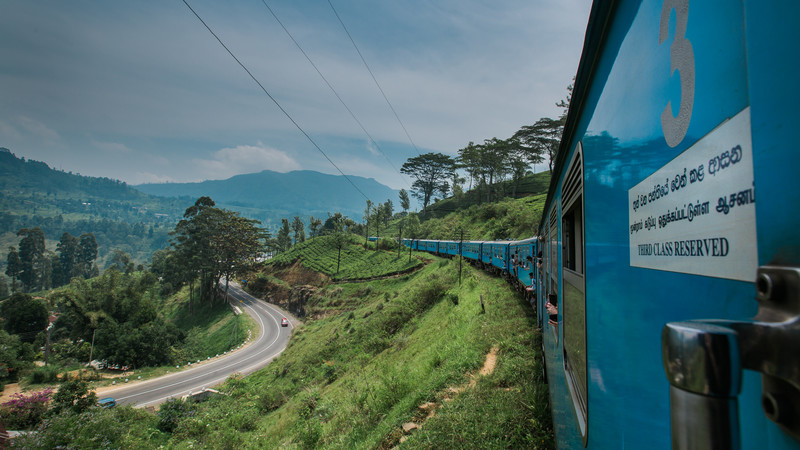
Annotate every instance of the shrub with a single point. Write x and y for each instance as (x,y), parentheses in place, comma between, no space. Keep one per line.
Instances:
(73,396)
(272,400)
(25,411)
(172,412)
(46,374)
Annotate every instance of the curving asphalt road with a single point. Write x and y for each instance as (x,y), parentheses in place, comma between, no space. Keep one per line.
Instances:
(269,344)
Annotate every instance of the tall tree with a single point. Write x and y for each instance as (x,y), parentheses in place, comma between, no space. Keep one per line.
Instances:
(238,242)
(541,138)
(378,218)
(13,267)
(24,316)
(192,244)
(217,242)
(367,218)
(564,103)
(121,260)
(335,223)
(388,210)
(87,254)
(494,158)
(470,158)
(285,236)
(68,259)
(430,172)
(339,239)
(31,256)
(405,202)
(299,230)
(517,163)
(314,225)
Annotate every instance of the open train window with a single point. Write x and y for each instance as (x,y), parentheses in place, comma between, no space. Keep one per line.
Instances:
(573,301)
(552,267)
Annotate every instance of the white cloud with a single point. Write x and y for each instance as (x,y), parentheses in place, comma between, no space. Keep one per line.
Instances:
(38,129)
(114,147)
(245,159)
(8,131)
(372,148)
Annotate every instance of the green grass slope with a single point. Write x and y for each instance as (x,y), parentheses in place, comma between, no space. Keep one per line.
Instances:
(532,184)
(506,219)
(321,255)
(381,355)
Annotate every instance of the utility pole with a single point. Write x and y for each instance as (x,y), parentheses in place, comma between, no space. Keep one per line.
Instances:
(399,241)
(460,255)
(91,350)
(47,345)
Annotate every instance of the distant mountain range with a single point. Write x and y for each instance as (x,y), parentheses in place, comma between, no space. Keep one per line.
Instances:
(137,219)
(269,196)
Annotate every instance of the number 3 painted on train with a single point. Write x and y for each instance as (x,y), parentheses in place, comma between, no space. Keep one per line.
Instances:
(682,59)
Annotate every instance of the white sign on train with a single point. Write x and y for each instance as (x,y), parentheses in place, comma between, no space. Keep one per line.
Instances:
(696,214)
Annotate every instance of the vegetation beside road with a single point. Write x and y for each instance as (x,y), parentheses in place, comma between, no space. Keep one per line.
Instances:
(354,375)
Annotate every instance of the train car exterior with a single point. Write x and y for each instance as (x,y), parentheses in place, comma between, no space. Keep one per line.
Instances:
(525,253)
(449,248)
(471,250)
(495,253)
(675,290)
(428,245)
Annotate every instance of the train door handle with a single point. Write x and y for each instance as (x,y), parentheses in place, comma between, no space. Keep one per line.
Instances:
(703,361)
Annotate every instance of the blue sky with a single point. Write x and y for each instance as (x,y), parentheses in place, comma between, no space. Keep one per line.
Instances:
(142,92)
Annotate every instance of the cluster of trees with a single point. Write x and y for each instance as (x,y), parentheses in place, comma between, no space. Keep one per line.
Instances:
(23,319)
(208,244)
(487,164)
(116,316)
(119,313)
(292,234)
(37,268)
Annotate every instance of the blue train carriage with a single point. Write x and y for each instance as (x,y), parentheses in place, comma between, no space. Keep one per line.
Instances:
(525,252)
(495,254)
(451,248)
(675,289)
(427,245)
(471,250)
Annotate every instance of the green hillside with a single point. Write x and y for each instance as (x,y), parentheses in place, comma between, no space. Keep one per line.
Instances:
(410,360)
(322,255)
(394,352)
(32,194)
(509,217)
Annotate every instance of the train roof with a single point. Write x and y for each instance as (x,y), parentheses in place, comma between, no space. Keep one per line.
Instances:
(525,241)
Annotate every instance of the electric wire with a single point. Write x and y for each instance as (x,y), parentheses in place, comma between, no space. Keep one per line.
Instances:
(273,98)
(374,79)
(332,89)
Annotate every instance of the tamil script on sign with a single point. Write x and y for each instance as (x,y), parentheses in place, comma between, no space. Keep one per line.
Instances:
(697,213)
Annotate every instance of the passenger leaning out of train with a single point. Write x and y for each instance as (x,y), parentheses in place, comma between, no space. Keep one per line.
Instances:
(514,264)
(552,312)
(532,288)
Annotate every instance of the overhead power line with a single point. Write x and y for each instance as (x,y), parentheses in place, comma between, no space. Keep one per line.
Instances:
(374,79)
(273,98)
(332,89)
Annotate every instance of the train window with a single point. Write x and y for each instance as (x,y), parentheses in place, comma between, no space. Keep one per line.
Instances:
(574,287)
(553,246)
